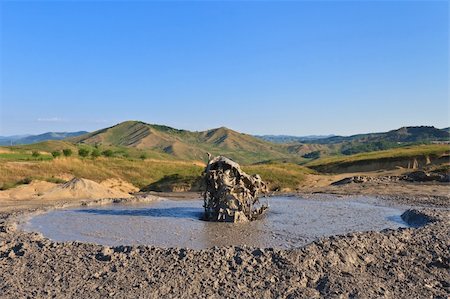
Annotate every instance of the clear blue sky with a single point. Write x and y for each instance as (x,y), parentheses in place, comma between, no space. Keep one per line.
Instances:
(294,67)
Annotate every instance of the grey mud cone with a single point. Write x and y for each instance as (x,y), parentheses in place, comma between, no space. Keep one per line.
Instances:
(230,194)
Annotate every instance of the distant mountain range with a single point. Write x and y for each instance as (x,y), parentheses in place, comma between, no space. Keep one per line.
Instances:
(29,139)
(241,147)
(292,139)
(404,134)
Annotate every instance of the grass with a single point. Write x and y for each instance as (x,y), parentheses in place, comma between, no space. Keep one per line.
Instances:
(24,152)
(45,146)
(17,164)
(24,156)
(280,175)
(180,144)
(433,150)
(138,172)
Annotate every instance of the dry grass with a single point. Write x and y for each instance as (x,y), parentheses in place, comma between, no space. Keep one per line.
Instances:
(137,172)
(280,175)
(409,151)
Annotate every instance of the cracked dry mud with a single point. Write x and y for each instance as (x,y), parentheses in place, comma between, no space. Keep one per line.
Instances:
(402,263)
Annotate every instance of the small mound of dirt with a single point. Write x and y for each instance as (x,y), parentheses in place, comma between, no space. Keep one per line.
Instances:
(27,191)
(119,185)
(82,189)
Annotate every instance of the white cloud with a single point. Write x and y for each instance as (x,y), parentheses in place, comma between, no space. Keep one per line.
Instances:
(50,119)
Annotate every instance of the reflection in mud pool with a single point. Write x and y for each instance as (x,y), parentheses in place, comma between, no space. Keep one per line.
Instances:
(290,222)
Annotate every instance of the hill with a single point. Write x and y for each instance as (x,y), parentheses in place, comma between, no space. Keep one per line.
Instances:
(404,134)
(185,144)
(409,157)
(29,139)
(291,139)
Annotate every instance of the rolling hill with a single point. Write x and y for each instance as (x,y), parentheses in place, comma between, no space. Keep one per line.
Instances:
(185,144)
(145,154)
(291,139)
(404,134)
(361,143)
(136,138)
(29,139)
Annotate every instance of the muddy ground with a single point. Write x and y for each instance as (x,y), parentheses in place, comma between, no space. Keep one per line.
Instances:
(402,263)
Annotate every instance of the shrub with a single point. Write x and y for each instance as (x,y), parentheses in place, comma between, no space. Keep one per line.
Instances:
(95,153)
(83,152)
(143,156)
(107,153)
(312,155)
(67,152)
(56,154)
(35,154)
(55,180)
(24,181)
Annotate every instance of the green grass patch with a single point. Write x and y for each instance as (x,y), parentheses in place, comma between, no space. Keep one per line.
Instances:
(24,156)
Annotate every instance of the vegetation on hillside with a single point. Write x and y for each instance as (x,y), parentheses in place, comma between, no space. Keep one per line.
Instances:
(163,157)
(419,134)
(433,150)
(139,172)
(186,145)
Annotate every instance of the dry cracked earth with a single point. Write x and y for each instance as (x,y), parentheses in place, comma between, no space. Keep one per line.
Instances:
(402,263)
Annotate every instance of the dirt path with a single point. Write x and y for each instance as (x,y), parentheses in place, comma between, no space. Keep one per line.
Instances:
(403,263)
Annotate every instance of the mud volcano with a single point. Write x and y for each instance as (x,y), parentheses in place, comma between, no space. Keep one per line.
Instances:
(230,194)
(291,222)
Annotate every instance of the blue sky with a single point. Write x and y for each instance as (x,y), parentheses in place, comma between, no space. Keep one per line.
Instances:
(260,67)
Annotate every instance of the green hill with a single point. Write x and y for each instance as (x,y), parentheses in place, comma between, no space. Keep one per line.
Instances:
(185,144)
(403,135)
(409,157)
(29,139)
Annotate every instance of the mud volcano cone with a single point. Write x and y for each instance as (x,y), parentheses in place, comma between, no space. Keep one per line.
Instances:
(231,195)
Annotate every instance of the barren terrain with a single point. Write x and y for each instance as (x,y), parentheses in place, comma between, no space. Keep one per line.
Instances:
(402,263)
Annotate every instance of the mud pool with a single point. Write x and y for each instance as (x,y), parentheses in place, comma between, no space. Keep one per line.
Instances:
(290,222)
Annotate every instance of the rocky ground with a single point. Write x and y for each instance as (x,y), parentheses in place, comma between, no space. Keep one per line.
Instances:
(402,263)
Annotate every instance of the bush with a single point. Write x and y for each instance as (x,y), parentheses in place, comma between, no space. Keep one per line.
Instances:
(24,181)
(143,156)
(107,153)
(95,153)
(56,154)
(55,180)
(83,152)
(67,152)
(35,154)
(351,149)
(312,155)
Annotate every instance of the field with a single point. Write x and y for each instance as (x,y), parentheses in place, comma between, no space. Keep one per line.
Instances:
(139,167)
(426,152)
